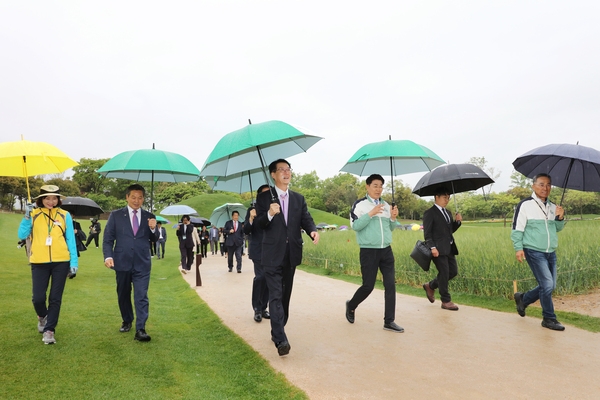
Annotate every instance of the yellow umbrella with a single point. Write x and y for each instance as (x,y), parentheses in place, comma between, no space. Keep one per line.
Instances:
(24,158)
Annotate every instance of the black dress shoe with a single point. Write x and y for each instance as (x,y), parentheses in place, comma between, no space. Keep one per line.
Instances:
(257,316)
(142,336)
(266,315)
(229,269)
(283,348)
(552,324)
(349,313)
(125,327)
(239,271)
(520,305)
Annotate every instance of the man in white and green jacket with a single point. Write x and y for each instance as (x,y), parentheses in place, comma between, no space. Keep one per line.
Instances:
(373,220)
(535,224)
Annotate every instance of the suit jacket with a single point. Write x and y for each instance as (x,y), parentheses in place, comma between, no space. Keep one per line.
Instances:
(164,234)
(128,251)
(438,233)
(256,236)
(277,235)
(236,238)
(189,235)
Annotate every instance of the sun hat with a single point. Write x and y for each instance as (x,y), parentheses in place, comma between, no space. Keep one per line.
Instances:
(49,190)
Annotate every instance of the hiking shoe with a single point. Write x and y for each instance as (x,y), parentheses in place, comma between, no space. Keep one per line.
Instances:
(392,326)
(552,324)
(48,337)
(42,323)
(520,305)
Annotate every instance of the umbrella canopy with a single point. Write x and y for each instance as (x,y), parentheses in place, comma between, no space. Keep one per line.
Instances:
(240,182)
(570,166)
(162,220)
(150,165)
(255,146)
(179,209)
(24,158)
(397,156)
(198,222)
(222,214)
(456,177)
(81,206)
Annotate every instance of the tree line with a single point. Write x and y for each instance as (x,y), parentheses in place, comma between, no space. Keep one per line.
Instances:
(334,195)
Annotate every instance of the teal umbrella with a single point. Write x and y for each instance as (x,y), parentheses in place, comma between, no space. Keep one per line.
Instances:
(255,146)
(240,182)
(162,220)
(150,165)
(222,214)
(396,156)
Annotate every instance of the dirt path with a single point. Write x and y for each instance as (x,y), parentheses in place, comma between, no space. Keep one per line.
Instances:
(469,354)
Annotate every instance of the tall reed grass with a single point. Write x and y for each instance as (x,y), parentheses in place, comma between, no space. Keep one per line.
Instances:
(486,263)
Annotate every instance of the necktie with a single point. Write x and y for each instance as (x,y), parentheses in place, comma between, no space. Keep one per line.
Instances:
(376,202)
(446,215)
(235,226)
(136,223)
(283,198)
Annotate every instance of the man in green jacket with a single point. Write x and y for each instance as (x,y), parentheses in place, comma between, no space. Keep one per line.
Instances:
(373,220)
(534,228)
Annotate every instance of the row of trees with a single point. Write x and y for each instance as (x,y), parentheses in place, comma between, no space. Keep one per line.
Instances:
(335,195)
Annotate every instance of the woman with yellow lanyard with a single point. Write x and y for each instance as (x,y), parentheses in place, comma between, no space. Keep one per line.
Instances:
(53,255)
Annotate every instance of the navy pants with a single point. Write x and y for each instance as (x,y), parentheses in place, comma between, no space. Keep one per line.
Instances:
(55,274)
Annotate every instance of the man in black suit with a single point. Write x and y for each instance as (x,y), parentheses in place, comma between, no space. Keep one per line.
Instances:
(162,239)
(185,234)
(282,214)
(234,241)
(260,292)
(126,248)
(438,227)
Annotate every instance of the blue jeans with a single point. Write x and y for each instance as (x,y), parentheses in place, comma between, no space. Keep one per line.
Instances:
(543,266)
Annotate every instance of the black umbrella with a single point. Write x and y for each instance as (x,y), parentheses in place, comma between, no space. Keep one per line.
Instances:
(570,166)
(199,221)
(457,177)
(81,206)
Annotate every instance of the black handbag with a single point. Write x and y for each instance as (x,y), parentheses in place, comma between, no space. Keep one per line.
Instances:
(422,255)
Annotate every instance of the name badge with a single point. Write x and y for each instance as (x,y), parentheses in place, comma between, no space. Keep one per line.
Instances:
(184,237)
(49,241)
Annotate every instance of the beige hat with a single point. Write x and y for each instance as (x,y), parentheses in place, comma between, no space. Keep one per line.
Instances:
(49,190)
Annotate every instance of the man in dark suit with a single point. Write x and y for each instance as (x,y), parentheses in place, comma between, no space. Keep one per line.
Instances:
(438,227)
(234,241)
(260,292)
(126,248)
(185,234)
(162,239)
(282,214)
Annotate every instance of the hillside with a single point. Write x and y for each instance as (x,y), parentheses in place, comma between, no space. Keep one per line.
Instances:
(207,202)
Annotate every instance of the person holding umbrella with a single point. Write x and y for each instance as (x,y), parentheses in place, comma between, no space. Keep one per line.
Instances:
(374,220)
(438,227)
(282,214)
(53,256)
(535,224)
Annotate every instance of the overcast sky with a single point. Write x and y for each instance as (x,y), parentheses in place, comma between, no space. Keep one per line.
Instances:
(489,79)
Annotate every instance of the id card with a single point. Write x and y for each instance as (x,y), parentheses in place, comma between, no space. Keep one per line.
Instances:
(49,241)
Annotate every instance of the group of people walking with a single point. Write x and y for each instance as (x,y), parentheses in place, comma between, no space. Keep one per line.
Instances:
(275,225)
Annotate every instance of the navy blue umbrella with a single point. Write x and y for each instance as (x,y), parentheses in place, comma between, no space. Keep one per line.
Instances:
(570,166)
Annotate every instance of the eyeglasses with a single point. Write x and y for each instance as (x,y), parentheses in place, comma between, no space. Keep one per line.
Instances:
(287,170)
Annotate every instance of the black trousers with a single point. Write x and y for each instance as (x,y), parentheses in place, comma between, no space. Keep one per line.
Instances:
(140,282)
(372,260)
(187,257)
(260,292)
(90,237)
(447,270)
(40,277)
(237,251)
(204,248)
(280,281)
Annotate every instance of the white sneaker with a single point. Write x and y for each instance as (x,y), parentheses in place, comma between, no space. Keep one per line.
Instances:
(48,337)
(42,323)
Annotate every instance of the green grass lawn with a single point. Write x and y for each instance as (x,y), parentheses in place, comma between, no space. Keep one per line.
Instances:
(191,355)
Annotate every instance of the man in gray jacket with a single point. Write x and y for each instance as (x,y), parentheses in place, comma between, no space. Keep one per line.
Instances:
(373,220)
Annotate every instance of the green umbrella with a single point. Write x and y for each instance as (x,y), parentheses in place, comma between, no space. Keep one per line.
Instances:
(222,214)
(397,156)
(255,146)
(162,220)
(150,165)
